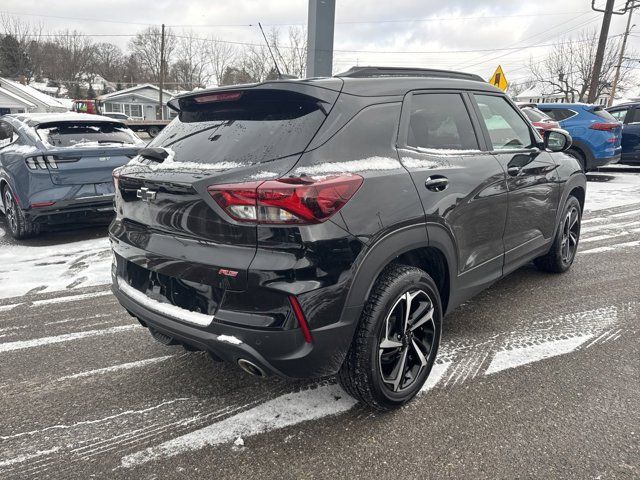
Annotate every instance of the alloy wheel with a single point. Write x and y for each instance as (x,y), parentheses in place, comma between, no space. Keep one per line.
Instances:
(570,235)
(407,340)
(10,210)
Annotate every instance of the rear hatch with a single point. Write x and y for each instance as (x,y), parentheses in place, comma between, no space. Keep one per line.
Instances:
(220,137)
(608,123)
(84,153)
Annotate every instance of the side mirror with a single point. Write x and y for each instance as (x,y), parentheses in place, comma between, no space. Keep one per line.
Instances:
(557,140)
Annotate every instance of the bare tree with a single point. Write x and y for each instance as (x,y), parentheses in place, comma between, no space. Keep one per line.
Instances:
(256,62)
(20,47)
(292,54)
(145,46)
(108,61)
(222,55)
(192,67)
(567,68)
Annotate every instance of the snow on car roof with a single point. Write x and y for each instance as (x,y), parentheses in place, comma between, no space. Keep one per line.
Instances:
(34,119)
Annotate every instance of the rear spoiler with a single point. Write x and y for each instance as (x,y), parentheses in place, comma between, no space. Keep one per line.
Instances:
(327,92)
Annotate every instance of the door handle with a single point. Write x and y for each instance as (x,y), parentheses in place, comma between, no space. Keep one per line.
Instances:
(513,171)
(436,183)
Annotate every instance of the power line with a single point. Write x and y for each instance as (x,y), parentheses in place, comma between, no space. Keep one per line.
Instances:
(344,22)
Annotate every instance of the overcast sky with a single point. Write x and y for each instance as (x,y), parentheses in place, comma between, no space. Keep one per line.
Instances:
(405,27)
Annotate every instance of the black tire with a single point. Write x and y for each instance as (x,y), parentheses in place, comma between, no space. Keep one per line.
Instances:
(153,131)
(565,245)
(20,227)
(579,156)
(362,374)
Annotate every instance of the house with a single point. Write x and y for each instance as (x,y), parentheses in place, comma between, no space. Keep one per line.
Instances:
(537,94)
(18,98)
(139,102)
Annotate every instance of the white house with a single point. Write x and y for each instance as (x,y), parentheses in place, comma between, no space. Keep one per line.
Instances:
(18,98)
(139,102)
(538,94)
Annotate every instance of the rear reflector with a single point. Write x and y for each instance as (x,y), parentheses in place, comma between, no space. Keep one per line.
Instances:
(605,126)
(297,311)
(42,204)
(218,97)
(287,200)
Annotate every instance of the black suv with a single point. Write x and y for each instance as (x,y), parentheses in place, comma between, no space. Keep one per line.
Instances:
(322,226)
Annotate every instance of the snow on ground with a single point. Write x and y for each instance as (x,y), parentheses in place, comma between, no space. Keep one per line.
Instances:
(25,268)
(622,189)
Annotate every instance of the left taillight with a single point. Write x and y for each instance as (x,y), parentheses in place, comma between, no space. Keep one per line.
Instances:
(42,162)
(604,126)
(286,200)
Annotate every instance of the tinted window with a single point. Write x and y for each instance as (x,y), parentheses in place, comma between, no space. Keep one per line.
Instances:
(75,134)
(534,114)
(635,116)
(507,129)
(619,114)
(559,114)
(440,121)
(602,113)
(258,127)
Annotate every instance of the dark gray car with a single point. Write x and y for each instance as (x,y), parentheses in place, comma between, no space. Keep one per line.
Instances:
(56,168)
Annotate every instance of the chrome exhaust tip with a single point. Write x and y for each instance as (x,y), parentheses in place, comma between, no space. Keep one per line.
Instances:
(251,368)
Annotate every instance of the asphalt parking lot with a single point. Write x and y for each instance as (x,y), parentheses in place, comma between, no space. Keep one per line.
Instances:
(537,377)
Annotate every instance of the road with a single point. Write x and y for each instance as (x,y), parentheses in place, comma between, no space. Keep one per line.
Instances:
(538,377)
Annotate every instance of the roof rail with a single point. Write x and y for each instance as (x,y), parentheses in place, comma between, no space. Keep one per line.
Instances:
(370,72)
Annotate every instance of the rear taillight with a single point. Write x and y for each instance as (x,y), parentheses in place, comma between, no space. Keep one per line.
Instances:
(605,126)
(43,162)
(287,200)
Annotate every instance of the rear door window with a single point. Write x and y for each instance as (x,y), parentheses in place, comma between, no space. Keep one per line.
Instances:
(85,134)
(440,121)
(254,127)
(507,129)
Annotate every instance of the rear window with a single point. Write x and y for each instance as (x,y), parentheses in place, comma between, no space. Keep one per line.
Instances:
(83,134)
(602,113)
(258,126)
(559,114)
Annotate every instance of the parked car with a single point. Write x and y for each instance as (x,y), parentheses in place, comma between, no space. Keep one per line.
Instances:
(55,168)
(117,116)
(596,134)
(629,115)
(308,228)
(538,118)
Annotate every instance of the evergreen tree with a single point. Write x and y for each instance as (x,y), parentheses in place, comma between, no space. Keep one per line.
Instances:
(91,93)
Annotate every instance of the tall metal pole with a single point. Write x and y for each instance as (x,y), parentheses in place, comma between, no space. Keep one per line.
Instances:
(602,44)
(322,14)
(161,82)
(616,78)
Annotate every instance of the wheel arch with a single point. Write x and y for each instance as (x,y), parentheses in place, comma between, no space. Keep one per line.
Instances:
(408,246)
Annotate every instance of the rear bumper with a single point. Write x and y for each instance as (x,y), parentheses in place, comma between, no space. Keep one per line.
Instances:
(601,162)
(277,352)
(90,210)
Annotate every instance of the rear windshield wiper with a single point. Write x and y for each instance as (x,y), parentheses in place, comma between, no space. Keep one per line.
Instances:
(157,154)
(111,141)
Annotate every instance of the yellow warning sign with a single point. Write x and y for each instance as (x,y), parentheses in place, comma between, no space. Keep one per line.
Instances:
(498,79)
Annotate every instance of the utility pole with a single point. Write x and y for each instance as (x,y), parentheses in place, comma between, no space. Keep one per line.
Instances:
(161,72)
(321,21)
(602,44)
(616,78)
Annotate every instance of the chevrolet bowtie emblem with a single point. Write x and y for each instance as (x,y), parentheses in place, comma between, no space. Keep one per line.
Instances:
(146,195)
